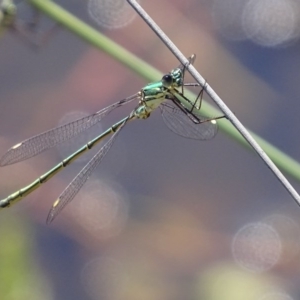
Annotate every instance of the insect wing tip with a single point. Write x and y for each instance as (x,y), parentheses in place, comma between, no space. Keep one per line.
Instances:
(50,218)
(4,161)
(9,157)
(51,214)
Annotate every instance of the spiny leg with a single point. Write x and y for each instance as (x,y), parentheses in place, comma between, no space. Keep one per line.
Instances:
(198,107)
(199,97)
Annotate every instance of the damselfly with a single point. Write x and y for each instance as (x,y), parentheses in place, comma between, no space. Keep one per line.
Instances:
(179,113)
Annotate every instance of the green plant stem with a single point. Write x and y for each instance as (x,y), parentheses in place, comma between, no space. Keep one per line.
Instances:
(98,40)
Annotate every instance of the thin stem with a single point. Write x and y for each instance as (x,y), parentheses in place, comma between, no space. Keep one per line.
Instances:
(218,101)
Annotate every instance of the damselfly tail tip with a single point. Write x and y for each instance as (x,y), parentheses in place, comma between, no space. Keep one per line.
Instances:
(4,203)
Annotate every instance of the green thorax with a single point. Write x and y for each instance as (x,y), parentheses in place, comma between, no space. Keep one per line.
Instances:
(153,94)
(153,91)
(161,89)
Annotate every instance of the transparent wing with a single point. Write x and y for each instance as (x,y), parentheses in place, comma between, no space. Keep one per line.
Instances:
(48,139)
(76,184)
(178,122)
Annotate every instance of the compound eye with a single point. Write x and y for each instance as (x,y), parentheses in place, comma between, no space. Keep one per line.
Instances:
(167,80)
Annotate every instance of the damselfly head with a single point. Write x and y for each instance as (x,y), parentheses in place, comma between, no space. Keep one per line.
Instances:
(167,80)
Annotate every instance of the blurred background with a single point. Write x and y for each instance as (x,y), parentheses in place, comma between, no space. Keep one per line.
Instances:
(163,217)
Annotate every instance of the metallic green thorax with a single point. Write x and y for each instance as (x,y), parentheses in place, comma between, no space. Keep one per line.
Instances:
(8,12)
(153,94)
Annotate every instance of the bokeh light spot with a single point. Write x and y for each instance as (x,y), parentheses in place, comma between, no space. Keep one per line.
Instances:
(256,247)
(270,22)
(111,14)
(102,210)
